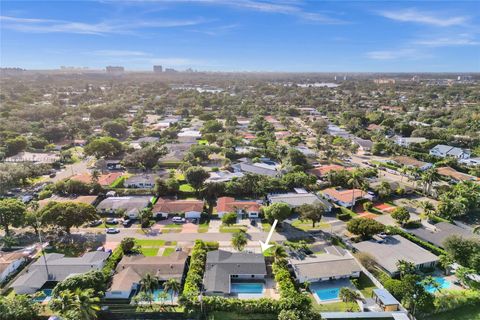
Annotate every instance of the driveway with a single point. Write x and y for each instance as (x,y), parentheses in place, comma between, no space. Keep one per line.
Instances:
(189,228)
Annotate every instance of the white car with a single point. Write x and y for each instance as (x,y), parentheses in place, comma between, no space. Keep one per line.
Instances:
(178,220)
(112,230)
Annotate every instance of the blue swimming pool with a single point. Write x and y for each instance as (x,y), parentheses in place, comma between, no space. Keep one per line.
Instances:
(327,294)
(157,292)
(442,284)
(247,287)
(47,294)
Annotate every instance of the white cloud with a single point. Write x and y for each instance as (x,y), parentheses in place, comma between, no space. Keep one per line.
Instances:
(102,28)
(413,15)
(461,40)
(409,53)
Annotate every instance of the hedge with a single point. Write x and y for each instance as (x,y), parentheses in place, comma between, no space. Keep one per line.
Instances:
(118,183)
(430,247)
(453,299)
(112,262)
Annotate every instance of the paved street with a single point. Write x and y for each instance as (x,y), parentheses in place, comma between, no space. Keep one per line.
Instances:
(71,170)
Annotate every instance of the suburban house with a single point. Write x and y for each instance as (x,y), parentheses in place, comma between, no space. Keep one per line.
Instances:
(137,144)
(440,232)
(10,262)
(307,152)
(455,175)
(191,208)
(241,207)
(131,269)
(103,179)
(385,300)
(364,145)
(441,150)
(346,197)
(262,168)
(113,164)
(335,263)
(223,176)
(298,198)
(130,206)
(410,162)
(33,157)
(146,181)
(322,171)
(59,268)
(407,141)
(394,248)
(80,199)
(222,268)
(176,151)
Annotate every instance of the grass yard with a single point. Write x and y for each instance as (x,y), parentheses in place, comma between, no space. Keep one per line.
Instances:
(462,313)
(232,229)
(168,251)
(173,226)
(307,225)
(186,188)
(149,252)
(150,243)
(179,176)
(222,315)
(203,227)
(365,285)
(336,307)
(266,226)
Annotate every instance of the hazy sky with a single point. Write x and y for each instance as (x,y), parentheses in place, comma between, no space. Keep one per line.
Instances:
(249,35)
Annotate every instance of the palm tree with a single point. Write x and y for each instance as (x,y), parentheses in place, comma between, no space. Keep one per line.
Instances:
(428,177)
(428,208)
(86,303)
(172,285)
(279,253)
(239,240)
(95,176)
(404,171)
(405,267)
(356,180)
(148,285)
(384,189)
(348,295)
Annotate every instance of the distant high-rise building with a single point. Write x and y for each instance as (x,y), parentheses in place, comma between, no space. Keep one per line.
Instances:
(170,70)
(112,69)
(157,69)
(384,81)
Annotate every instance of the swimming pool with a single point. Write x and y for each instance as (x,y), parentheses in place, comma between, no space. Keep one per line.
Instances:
(157,292)
(247,287)
(327,294)
(442,284)
(47,294)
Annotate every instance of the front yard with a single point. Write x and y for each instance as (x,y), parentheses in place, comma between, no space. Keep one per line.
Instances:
(306,225)
(150,248)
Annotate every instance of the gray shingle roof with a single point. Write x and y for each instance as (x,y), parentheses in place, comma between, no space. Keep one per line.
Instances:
(252,168)
(59,268)
(221,265)
(297,199)
(395,248)
(443,231)
(129,204)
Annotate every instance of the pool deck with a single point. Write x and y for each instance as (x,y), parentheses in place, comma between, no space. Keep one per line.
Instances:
(330,284)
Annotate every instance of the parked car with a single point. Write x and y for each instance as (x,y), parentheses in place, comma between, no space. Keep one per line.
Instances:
(112,230)
(253,222)
(95,223)
(177,249)
(194,220)
(127,222)
(111,221)
(178,220)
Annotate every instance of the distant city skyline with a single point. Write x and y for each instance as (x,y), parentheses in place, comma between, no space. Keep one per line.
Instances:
(249,35)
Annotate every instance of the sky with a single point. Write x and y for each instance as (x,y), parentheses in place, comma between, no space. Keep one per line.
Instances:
(243,35)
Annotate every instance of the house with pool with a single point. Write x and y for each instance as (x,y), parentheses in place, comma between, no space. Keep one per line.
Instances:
(327,272)
(235,274)
(46,272)
(392,249)
(131,269)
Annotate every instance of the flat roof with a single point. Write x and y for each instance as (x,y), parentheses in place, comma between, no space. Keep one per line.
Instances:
(385,296)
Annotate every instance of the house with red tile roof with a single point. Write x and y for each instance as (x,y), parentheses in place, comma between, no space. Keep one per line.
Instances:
(241,207)
(322,171)
(104,179)
(346,197)
(191,208)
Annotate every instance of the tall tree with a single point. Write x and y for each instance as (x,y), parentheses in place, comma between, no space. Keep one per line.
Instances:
(172,285)
(196,177)
(312,212)
(239,240)
(12,213)
(67,214)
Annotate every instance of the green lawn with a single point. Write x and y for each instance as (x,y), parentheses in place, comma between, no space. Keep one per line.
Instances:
(335,307)
(307,225)
(203,227)
(202,142)
(233,228)
(365,285)
(173,226)
(149,252)
(266,226)
(150,243)
(462,313)
(168,251)
(222,315)
(186,188)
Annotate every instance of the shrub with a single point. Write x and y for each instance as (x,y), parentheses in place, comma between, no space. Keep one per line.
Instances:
(454,299)
(229,218)
(44,194)
(112,262)
(367,206)
(343,216)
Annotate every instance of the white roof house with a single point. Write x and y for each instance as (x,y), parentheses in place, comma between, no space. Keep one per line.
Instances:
(441,150)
